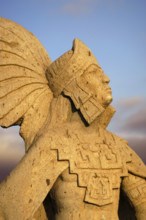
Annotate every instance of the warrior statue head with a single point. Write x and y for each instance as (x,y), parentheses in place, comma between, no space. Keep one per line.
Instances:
(30,83)
(78,75)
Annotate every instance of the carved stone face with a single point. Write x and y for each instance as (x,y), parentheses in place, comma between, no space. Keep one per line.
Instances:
(96,82)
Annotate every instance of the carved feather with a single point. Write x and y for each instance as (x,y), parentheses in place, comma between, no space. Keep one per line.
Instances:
(24,92)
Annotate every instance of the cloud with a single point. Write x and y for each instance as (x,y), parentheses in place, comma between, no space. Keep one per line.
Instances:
(130,123)
(137,121)
(5,170)
(11,145)
(134,111)
(130,102)
(11,150)
(130,115)
(79,7)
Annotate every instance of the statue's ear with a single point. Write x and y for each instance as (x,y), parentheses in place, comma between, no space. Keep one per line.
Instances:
(24,93)
(76,93)
(83,101)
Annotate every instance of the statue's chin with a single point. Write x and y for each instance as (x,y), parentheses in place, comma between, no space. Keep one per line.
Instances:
(108,100)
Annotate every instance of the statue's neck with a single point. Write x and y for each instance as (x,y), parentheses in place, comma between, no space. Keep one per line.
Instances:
(102,119)
(62,113)
(77,120)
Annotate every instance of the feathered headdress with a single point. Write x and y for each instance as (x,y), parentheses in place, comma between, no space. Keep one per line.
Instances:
(24,92)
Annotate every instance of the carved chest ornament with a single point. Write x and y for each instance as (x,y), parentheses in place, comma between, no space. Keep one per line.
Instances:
(37,94)
(98,165)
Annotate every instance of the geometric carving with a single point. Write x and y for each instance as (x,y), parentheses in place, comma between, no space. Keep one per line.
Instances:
(63,109)
(98,165)
(99,190)
(138,193)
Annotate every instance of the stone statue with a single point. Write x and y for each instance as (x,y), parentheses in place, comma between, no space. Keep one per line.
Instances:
(72,162)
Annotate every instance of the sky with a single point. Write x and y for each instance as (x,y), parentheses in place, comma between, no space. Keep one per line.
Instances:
(115,31)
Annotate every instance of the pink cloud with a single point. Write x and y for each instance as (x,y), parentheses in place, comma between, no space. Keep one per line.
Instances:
(11,145)
(132,102)
(11,150)
(79,7)
(137,121)
(130,123)
(139,146)
(130,115)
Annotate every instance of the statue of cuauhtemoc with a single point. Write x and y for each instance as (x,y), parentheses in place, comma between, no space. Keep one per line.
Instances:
(72,162)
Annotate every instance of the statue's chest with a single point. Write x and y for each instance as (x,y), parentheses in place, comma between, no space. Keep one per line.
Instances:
(97,162)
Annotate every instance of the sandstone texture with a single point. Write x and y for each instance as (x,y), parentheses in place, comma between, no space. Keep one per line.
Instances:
(74,168)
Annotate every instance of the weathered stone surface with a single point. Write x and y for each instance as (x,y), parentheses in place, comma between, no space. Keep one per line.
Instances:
(73,167)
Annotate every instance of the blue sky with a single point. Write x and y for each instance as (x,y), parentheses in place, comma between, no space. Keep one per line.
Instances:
(115,31)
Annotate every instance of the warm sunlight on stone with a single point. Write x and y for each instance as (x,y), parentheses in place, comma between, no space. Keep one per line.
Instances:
(73,168)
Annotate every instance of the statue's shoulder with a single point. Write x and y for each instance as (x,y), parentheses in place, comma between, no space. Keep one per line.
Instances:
(133,162)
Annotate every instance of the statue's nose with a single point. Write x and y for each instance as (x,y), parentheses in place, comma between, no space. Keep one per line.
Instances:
(105,78)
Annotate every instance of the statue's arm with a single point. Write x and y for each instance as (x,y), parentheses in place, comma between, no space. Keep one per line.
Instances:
(27,186)
(135,189)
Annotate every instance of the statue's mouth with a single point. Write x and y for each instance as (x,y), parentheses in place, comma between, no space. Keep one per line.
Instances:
(109,89)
